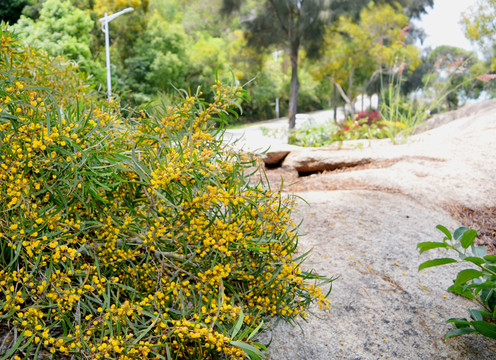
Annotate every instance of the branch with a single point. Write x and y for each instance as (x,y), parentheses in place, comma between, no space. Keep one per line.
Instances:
(341,91)
(278,16)
(165,254)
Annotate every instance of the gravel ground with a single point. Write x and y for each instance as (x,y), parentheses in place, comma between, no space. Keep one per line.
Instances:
(364,225)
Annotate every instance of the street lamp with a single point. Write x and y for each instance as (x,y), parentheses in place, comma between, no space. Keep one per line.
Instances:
(105,28)
(276,56)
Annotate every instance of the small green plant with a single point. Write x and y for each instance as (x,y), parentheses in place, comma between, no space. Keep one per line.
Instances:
(478,284)
(313,135)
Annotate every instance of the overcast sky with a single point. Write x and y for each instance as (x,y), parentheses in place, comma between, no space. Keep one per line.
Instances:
(441,24)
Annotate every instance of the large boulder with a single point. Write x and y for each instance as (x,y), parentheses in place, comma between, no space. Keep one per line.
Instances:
(311,161)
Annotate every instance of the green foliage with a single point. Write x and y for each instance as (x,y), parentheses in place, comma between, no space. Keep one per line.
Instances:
(134,237)
(292,25)
(358,51)
(161,60)
(452,76)
(313,135)
(478,284)
(395,108)
(480,28)
(351,129)
(10,11)
(168,44)
(61,29)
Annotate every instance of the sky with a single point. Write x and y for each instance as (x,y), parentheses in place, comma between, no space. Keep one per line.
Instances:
(441,24)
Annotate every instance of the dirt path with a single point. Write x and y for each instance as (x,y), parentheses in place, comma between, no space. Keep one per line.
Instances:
(364,227)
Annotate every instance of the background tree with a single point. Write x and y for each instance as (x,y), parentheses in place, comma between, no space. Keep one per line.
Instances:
(357,53)
(452,76)
(62,29)
(293,24)
(480,27)
(186,42)
(289,24)
(10,10)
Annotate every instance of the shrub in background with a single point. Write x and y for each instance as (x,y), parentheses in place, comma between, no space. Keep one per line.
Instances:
(133,238)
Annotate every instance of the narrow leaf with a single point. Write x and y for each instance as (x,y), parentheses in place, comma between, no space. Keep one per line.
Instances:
(458,332)
(436,262)
(238,325)
(424,246)
(250,350)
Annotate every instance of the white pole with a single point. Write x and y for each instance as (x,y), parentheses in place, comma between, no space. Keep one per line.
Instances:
(105,28)
(276,56)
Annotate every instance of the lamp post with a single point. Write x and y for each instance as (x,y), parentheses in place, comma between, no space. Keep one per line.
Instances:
(276,56)
(105,28)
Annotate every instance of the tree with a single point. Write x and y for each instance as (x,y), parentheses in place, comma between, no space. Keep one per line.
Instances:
(291,24)
(298,23)
(358,52)
(480,27)
(61,29)
(452,75)
(10,11)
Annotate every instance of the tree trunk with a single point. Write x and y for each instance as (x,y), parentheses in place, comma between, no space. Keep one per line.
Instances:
(295,84)
(335,102)
(350,92)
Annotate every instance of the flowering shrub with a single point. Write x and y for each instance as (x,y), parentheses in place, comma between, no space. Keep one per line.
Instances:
(368,117)
(367,125)
(133,238)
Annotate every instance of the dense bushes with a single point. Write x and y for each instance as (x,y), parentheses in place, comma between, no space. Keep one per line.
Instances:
(134,237)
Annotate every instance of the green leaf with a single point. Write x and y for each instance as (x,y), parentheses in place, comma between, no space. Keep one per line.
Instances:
(490,258)
(461,291)
(485,328)
(238,325)
(467,275)
(424,246)
(458,332)
(249,350)
(254,332)
(468,238)
(459,323)
(476,315)
(459,232)
(445,231)
(479,250)
(15,347)
(475,260)
(436,262)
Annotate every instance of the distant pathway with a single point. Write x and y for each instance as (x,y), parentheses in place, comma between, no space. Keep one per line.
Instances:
(252,138)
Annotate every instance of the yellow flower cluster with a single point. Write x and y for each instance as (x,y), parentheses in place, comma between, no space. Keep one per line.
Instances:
(127,239)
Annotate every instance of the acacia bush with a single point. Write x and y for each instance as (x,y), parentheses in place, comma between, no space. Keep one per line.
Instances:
(137,236)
